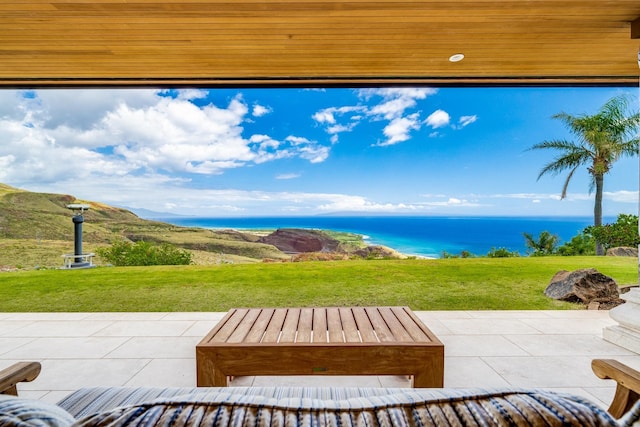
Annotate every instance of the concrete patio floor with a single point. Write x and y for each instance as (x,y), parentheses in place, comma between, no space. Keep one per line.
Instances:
(534,349)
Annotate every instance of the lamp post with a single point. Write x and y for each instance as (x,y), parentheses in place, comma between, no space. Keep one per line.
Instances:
(79,261)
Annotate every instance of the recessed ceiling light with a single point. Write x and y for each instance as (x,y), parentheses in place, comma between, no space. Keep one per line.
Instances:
(456,58)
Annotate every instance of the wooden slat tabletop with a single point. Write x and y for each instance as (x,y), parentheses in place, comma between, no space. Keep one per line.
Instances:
(260,326)
(227,325)
(320,325)
(305,325)
(272,333)
(364,325)
(395,326)
(288,333)
(349,327)
(334,325)
(244,327)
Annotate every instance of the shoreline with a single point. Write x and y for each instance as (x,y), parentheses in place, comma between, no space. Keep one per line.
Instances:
(366,239)
(423,237)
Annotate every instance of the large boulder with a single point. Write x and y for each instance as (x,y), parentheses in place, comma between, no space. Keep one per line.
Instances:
(583,286)
(622,251)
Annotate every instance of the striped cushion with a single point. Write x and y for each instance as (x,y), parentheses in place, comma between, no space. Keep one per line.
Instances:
(88,400)
(407,408)
(19,412)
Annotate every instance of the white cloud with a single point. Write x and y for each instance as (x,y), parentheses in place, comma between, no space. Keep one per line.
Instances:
(50,135)
(453,202)
(315,154)
(328,115)
(226,208)
(394,100)
(206,201)
(347,203)
(32,153)
(298,140)
(260,110)
(398,92)
(622,196)
(336,129)
(308,150)
(466,120)
(399,128)
(84,109)
(288,176)
(178,197)
(325,116)
(531,196)
(191,94)
(392,106)
(438,119)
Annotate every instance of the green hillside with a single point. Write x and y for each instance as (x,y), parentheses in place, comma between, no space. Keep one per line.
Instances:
(36,229)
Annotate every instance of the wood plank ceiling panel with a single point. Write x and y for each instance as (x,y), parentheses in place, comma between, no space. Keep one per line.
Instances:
(307,42)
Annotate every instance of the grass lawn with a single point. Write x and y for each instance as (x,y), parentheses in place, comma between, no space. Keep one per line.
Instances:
(443,284)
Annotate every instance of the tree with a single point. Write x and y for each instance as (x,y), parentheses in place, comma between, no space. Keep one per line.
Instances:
(623,232)
(602,139)
(545,244)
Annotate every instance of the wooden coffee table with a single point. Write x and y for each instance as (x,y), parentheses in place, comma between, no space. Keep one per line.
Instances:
(320,341)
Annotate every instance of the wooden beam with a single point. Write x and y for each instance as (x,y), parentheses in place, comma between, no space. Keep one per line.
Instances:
(285,82)
(317,42)
(635,29)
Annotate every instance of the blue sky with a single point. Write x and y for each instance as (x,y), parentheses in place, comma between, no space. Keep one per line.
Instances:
(291,152)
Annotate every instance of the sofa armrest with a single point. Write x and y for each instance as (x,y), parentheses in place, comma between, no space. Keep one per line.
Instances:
(628,384)
(17,373)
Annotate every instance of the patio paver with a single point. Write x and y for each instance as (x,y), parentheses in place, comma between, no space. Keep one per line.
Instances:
(543,349)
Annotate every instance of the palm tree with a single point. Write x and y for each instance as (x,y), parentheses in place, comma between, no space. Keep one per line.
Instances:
(545,244)
(602,139)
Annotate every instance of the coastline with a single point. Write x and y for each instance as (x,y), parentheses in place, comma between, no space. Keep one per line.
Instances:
(423,237)
(365,239)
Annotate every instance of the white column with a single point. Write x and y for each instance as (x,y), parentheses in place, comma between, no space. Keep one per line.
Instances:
(627,332)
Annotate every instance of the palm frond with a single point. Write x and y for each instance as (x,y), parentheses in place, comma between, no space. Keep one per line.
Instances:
(557,144)
(572,157)
(592,183)
(566,183)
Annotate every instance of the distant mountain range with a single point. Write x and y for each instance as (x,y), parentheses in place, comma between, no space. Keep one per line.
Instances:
(149,214)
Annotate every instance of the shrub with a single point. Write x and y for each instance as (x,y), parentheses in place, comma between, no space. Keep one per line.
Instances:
(623,232)
(463,254)
(502,253)
(124,253)
(581,244)
(447,255)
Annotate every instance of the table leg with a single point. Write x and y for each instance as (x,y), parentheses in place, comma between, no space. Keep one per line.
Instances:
(428,379)
(219,378)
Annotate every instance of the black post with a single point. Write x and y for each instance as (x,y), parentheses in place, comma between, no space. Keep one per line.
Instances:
(77,222)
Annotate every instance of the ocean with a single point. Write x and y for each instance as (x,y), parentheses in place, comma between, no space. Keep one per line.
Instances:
(421,236)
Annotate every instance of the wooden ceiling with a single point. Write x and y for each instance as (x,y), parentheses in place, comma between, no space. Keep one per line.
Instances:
(318,42)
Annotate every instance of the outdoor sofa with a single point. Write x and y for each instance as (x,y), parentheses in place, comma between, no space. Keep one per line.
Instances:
(317,406)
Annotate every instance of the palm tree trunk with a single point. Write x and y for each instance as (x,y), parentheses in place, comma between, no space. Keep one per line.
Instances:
(597,209)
